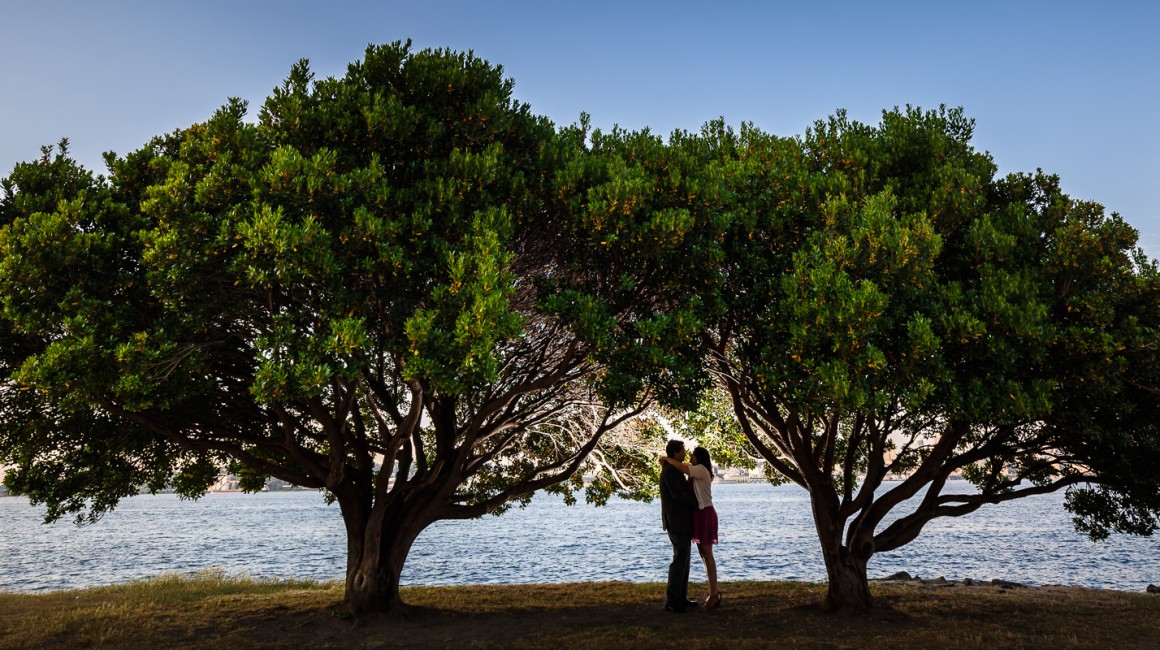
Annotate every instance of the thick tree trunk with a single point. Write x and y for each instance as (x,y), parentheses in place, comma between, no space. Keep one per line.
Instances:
(377,549)
(845,565)
(373,585)
(848,589)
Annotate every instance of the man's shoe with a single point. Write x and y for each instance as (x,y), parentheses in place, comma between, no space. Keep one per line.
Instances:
(676,609)
(691,603)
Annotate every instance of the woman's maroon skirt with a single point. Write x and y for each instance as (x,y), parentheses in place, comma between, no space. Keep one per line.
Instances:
(705,526)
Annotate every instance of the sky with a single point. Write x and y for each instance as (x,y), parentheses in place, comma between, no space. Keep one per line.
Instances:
(1072,88)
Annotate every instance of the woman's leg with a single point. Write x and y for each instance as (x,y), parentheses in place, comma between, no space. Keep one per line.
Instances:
(706,551)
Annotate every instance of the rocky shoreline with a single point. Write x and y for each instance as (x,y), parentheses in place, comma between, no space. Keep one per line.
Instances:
(941,581)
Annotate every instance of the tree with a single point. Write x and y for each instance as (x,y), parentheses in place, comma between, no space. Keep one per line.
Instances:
(888,306)
(385,288)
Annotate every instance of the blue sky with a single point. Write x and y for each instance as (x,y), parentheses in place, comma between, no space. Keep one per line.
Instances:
(1069,87)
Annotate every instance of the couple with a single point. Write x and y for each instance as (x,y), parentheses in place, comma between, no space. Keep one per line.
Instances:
(687,514)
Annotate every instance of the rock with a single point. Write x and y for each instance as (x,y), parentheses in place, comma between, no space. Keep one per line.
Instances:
(1006,584)
(940,581)
(968,582)
(901,575)
(1153,589)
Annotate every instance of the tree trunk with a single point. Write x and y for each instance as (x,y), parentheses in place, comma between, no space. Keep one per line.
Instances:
(377,549)
(848,589)
(845,565)
(372,586)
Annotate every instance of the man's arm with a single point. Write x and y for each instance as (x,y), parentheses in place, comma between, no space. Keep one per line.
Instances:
(684,467)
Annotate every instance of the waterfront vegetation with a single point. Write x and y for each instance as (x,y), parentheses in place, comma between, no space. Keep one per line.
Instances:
(214,610)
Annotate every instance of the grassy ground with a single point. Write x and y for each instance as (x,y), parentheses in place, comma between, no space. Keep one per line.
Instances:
(212,610)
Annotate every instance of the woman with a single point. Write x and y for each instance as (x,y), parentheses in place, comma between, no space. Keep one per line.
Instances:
(700,471)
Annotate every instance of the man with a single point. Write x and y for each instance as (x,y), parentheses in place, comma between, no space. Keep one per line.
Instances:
(677,506)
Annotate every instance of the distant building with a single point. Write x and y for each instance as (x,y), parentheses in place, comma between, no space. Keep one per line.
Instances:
(231,483)
(225,483)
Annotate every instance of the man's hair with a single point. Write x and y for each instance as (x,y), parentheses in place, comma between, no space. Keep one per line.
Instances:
(673,447)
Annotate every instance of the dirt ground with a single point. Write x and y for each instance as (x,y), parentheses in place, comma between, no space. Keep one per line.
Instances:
(754,615)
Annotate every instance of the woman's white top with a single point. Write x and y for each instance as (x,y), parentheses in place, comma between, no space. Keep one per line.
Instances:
(702,485)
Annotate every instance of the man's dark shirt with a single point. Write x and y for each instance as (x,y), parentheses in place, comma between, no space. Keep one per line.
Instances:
(677,503)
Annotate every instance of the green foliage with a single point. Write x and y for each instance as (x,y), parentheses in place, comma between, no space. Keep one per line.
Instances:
(234,271)
(889,306)
(636,258)
(713,425)
(398,285)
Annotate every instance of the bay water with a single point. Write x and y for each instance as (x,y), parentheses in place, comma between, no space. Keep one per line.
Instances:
(766,534)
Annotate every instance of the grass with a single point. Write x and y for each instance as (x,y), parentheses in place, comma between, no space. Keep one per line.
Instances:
(172,608)
(215,610)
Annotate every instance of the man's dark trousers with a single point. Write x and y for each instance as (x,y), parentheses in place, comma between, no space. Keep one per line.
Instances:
(678,591)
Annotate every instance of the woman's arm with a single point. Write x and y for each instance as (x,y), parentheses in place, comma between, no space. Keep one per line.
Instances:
(684,467)
(700,472)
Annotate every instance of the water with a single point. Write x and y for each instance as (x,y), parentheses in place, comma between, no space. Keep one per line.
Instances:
(766,534)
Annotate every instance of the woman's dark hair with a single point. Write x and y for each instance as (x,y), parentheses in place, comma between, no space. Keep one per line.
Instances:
(702,456)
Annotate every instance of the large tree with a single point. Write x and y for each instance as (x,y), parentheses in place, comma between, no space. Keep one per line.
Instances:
(393,286)
(887,305)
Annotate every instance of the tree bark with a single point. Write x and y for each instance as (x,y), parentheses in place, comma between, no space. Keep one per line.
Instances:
(849,589)
(377,549)
(372,586)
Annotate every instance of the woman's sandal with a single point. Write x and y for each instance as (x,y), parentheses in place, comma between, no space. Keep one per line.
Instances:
(713,602)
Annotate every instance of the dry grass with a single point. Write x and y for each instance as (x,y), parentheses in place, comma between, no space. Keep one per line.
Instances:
(167,610)
(212,610)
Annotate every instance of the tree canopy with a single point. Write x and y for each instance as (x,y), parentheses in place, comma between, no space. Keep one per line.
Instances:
(889,306)
(388,287)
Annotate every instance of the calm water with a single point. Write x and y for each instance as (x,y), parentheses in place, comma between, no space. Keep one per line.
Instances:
(766,534)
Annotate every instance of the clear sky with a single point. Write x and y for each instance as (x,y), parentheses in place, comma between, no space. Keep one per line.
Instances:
(1069,87)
